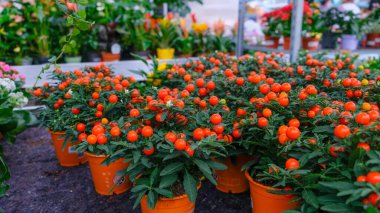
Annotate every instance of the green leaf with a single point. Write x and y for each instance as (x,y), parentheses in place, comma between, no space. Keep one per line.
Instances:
(202,166)
(82,14)
(152,199)
(164,192)
(172,168)
(82,2)
(154,176)
(168,180)
(310,198)
(138,199)
(190,186)
(136,156)
(5,115)
(216,165)
(139,188)
(338,185)
(337,207)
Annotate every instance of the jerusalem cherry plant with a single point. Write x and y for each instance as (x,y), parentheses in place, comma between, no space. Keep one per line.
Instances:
(170,144)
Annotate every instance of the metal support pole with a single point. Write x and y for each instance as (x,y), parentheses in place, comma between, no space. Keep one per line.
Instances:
(240,33)
(296,29)
(165,9)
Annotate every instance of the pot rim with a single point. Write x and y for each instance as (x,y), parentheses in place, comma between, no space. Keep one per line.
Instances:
(178,197)
(95,156)
(56,133)
(250,179)
(108,53)
(165,48)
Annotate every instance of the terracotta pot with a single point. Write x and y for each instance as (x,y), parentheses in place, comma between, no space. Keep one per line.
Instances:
(286,43)
(232,180)
(180,204)
(67,156)
(373,40)
(264,201)
(184,56)
(310,43)
(377,40)
(167,53)
(271,42)
(108,57)
(105,177)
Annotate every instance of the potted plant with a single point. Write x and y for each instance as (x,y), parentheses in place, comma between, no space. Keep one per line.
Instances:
(312,27)
(220,42)
(184,45)
(165,37)
(42,33)
(350,29)
(330,34)
(169,153)
(99,109)
(72,52)
(106,15)
(271,30)
(91,45)
(15,37)
(372,28)
(56,117)
(202,37)
(13,121)
(138,38)
(284,25)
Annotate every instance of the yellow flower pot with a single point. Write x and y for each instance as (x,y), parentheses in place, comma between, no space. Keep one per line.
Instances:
(167,53)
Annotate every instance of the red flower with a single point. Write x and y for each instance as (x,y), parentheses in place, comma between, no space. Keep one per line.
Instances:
(193,18)
(170,15)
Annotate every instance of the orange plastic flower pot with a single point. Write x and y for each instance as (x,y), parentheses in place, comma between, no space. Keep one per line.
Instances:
(66,157)
(108,57)
(105,177)
(265,202)
(310,43)
(232,180)
(271,42)
(180,204)
(286,43)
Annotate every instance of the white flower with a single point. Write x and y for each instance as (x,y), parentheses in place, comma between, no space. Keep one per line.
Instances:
(7,85)
(17,99)
(169,103)
(70,92)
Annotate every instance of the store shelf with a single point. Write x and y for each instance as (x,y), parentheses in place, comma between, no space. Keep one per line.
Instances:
(119,67)
(364,53)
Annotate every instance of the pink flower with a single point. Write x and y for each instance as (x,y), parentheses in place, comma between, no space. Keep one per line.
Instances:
(71,6)
(17,18)
(6,68)
(219,27)
(193,18)
(32,2)
(22,77)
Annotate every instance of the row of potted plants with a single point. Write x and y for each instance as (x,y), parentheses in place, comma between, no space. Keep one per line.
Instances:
(31,31)
(324,28)
(301,136)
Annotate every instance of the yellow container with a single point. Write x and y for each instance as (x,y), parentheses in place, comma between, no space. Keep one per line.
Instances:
(167,53)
